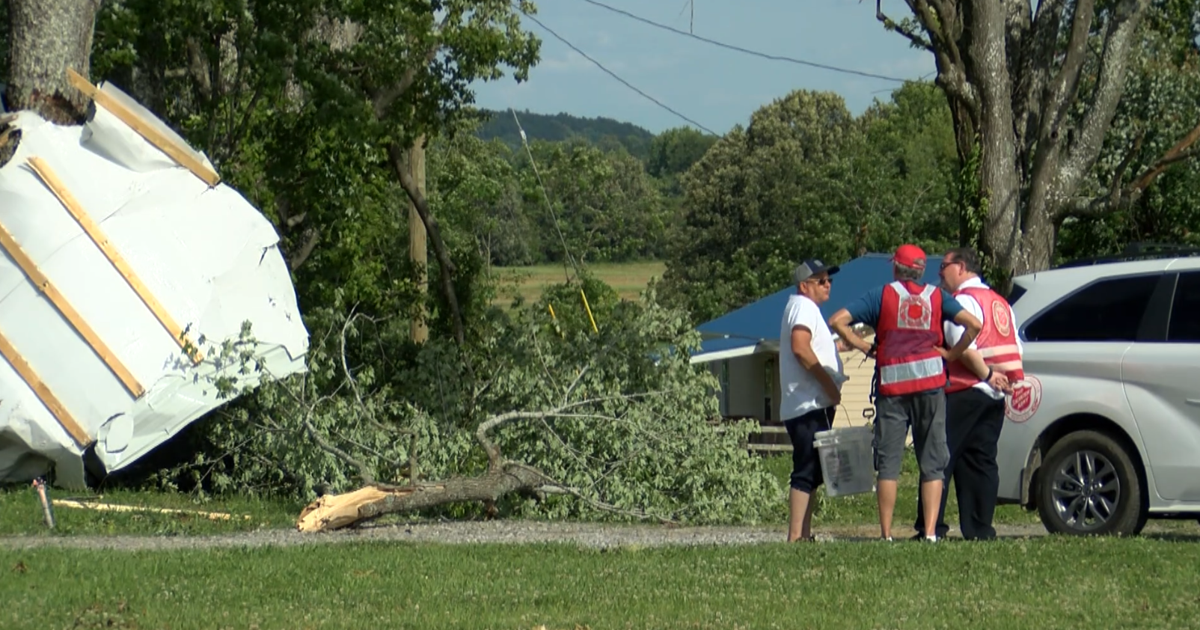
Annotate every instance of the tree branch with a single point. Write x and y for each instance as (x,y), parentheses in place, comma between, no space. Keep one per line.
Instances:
(917,39)
(1061,93)
(1110,86)
(562,411)
(314,235)
(445,265)
(364,471)
(1181,151)
(1036,60)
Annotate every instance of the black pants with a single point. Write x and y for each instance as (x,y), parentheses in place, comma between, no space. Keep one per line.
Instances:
(806,468)
(973,424)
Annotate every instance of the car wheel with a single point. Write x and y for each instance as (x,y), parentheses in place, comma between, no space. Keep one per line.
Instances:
(1089,485)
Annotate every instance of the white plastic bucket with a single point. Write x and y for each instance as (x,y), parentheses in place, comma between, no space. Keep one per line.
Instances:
(845,456)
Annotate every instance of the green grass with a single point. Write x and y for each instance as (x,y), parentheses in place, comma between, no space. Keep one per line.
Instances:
(21,514)
(627,279)
(1017,583)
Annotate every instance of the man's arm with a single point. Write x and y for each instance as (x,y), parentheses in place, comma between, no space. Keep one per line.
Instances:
(863,310)
(974,362)
(840,323)
(972,326)
(802,348)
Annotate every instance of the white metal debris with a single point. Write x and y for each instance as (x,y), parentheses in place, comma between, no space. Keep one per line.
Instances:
(110,249)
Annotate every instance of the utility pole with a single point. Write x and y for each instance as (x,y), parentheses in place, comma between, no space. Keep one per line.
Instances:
(416,240)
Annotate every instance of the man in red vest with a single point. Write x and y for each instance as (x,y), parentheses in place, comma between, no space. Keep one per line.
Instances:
(910,376)
(975,398)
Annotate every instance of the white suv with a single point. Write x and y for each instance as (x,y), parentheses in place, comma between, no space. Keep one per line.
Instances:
(1104,433)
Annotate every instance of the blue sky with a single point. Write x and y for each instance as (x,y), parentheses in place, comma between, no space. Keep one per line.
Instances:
(716,87)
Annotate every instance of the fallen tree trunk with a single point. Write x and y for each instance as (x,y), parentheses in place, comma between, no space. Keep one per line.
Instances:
(331,512)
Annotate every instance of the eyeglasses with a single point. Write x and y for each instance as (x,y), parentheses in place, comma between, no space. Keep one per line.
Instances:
(952,262)
(826,281)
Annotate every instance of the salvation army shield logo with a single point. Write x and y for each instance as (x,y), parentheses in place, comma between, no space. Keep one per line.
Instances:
(1001,319)
(915,313)
(1025,399)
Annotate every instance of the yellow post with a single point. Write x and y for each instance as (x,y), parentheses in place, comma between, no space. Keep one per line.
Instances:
(589,311)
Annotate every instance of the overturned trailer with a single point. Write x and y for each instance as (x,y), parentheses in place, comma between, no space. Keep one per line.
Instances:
(124,263)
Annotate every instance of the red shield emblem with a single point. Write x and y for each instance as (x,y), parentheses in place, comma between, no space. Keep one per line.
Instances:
(1025,399)
(1001,318)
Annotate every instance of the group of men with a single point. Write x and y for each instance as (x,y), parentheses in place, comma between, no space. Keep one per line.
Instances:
(944,360)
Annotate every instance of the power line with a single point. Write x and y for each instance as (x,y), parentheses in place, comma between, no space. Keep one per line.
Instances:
(811,64)
(614,75)
(546,196)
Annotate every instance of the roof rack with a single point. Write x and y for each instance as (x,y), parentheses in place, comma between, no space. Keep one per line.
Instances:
(1137,251)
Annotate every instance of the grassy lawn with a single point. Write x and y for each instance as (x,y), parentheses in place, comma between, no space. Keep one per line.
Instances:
(627,279)
(1017,583)
(21,514)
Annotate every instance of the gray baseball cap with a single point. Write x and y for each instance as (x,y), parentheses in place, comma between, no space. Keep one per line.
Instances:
(810,268)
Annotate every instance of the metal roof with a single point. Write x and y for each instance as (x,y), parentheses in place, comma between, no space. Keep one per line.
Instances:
(754,327)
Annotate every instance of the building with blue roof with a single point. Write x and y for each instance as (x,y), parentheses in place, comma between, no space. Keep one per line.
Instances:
(742,346)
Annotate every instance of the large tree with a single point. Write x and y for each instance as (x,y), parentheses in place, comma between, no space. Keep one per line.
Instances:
(1034,91)
(45,38)
(808,179)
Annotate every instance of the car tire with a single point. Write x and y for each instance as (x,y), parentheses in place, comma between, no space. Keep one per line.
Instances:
(1088,485)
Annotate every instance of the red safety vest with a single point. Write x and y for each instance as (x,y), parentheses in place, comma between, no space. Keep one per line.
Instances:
(909,333)
(997,341)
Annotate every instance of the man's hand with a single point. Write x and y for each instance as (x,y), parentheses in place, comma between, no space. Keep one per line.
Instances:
(834,395)
(999,382)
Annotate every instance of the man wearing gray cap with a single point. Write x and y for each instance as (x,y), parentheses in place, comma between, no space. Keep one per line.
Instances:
(810,377)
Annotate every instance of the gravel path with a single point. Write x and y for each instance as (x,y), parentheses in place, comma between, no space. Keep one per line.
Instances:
(583,534)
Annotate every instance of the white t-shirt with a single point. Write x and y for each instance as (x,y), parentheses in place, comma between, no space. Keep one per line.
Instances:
(954,332)
(800,391)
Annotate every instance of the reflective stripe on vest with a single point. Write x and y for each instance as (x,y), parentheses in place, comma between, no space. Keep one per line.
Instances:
(909,332)
(910,371)
(997,342)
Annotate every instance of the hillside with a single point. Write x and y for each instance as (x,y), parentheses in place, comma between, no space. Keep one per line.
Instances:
(557,127)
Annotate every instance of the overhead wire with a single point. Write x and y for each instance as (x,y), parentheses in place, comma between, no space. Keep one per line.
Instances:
(802,62)
(546,196)
(615,75)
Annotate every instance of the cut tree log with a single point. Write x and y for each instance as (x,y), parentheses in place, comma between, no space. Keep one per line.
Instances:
(335,511)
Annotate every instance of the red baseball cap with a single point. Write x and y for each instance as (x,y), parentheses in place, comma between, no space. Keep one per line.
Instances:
(910,256)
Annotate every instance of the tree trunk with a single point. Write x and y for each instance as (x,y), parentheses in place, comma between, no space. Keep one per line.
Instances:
(47,38)
(336,511)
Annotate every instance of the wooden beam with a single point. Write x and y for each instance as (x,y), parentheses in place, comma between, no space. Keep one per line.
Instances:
(60,302)
(181,155)
(52,403)
(56,185)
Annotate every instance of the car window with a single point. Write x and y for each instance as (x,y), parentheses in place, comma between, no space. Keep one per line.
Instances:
(1185,310)
(1015,294)
(1109,310)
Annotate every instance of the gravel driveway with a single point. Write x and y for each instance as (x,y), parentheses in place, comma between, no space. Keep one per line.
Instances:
(584,534)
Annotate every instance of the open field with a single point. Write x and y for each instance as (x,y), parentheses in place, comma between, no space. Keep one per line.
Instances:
(627,279)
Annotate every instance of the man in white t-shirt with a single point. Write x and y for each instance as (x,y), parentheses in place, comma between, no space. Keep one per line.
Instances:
(975,397)
(810,378)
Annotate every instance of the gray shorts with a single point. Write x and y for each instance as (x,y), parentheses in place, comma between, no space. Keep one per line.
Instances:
(925,412)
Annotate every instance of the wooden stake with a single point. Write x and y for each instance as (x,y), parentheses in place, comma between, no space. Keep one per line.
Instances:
(56,185)
(417,240)
(60,302)
(181,155)
(52,403)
